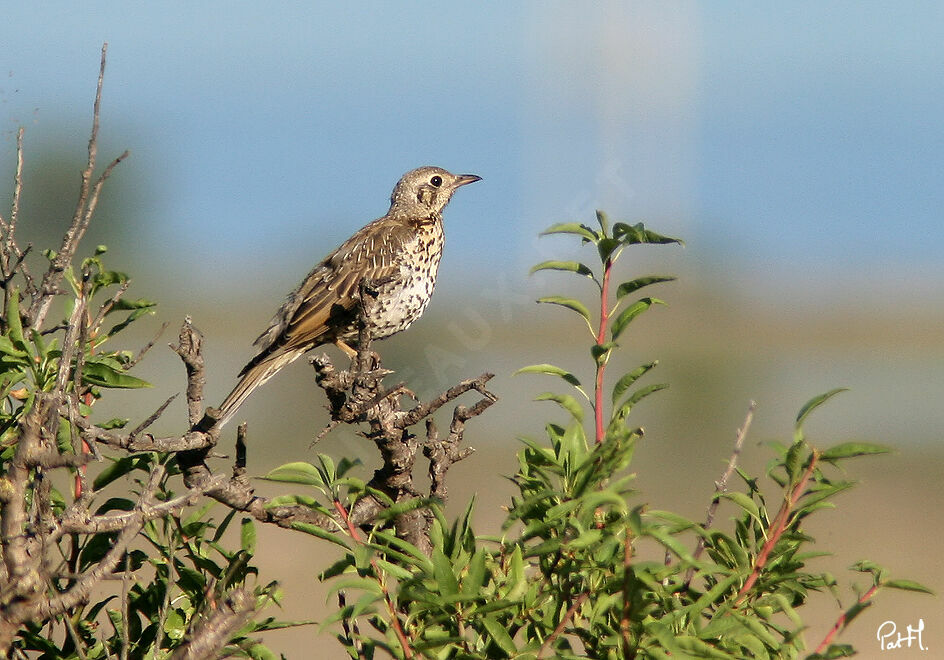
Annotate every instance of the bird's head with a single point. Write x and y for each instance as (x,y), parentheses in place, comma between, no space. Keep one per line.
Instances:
(426,190)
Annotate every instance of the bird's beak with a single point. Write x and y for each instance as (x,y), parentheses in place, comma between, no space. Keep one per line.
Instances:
(463,179)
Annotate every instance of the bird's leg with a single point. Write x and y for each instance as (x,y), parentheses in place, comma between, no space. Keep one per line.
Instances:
(347,350)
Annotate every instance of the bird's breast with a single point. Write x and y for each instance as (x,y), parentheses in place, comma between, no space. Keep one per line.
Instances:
(402,301)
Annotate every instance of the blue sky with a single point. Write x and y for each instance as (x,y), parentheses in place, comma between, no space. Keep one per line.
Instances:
(791,145)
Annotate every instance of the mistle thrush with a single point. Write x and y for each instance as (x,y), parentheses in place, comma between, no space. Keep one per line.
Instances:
(396,257)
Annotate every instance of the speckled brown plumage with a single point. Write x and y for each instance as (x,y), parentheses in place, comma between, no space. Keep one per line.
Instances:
(397,256)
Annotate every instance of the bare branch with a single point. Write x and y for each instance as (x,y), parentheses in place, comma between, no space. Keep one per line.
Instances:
(190,350)
(139,429)
(424,410)
(721,486)
(208,638)
(73,330)
(148,346)
(77,520)
(107,307)
(84,211)
(186,442)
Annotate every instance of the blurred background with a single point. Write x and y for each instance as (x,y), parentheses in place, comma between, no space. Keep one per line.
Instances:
(797,149)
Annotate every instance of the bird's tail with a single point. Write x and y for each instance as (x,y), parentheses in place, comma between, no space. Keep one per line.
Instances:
(252,377)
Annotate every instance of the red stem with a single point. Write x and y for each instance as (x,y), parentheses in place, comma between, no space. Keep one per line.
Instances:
(562,625)
(394,617)
(601,337)
(778,527)
(841,621)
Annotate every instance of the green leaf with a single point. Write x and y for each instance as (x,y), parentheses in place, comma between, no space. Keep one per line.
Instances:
(442,570)
(606,247)
(109,277)
(499,635)
(623,410)
(601,352)
(569,303)
(475,578)
(247,536)
(852,449)
(103,375)
(630,313)
(124,304)
(118,469)
(298,472)
(603,221)
(631,235)
(550,370)
(908,585)
(404,506)
(815,403)
(516,580)
(632,286)
(745,502)
(7,347)
(258,651)
(793,462)
(631,377)
(572,228)
(565,401)
(114,423)
(14,324)
(572,266)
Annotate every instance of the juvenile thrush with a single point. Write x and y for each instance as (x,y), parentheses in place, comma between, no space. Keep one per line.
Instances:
(396,257)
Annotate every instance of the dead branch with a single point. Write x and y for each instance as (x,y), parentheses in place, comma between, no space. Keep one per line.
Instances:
(357,395)
(208,638)
(189,348)
(84,211)
(721,486)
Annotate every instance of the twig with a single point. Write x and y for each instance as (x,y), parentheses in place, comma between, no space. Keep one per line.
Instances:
(625,621)
(189,441)
(349,627)
(562,625)
(148,346)
(841,621)
(84,209)
(74,636)
(151,419)
(107,307)
(82,589)
(190,350)
(424,410)
(778,526)
(165,604)
(721,486)
(125,632)
(208,638)
(77,521)
(9,246)
(17,192)
(379,576)
(601,361)
(239,467)
(76,321)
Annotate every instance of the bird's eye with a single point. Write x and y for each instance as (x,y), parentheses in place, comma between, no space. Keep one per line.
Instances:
(436,181)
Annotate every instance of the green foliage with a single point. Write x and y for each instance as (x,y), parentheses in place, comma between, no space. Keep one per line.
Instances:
(182,567)
(583,567)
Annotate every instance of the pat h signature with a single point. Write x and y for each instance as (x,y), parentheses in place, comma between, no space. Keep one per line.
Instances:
(889,638)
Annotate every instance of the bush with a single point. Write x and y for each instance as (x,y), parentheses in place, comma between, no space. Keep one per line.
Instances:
(132,563)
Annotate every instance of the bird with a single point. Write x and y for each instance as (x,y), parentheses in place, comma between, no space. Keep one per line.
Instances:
(396,257)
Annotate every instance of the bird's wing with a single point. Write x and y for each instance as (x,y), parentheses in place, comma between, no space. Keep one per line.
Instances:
(331,289)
